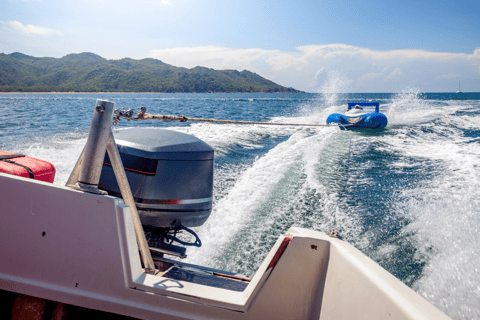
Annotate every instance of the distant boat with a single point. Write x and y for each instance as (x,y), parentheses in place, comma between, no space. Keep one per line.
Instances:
(459,91)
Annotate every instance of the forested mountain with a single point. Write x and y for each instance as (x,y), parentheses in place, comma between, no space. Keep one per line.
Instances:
(88,72)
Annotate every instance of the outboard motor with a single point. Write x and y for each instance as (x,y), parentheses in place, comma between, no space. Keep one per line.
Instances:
(171,178)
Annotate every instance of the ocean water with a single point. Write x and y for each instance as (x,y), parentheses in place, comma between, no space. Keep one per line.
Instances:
(407,196)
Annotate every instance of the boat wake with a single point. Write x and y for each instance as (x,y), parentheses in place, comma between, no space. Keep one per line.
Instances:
(440,143)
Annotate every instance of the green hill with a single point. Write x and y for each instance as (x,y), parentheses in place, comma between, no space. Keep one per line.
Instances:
(88,72)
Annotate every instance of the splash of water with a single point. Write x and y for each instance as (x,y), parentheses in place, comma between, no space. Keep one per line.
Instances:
(446,231)
(443,209)
(335,84)
(251,190)
(286,186)
(408,108)
(328,98)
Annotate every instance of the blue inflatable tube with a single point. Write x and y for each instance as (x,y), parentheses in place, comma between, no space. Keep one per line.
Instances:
(357,118)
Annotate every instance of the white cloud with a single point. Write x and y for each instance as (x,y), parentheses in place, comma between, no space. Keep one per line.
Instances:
(154,2)
(31,29)
(216,56)
(307,66)
(319,72)
(371,76)
(397,73)
(449,76)
(330,51)
(212,57)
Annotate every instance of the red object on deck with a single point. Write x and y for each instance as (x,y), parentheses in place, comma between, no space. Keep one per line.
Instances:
(279,253)
(28,167)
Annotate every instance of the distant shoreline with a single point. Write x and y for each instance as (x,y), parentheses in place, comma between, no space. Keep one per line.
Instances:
(128,92)
(239,92)
(90,73)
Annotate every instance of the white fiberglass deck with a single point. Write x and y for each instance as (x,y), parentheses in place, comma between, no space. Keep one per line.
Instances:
(80,249)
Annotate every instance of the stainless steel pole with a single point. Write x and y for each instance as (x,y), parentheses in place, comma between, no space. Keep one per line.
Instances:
(127,196)
(95,148)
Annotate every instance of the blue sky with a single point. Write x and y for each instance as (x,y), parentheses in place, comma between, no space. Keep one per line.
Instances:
(316,46)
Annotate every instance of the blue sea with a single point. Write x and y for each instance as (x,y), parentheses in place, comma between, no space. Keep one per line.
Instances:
(407,196)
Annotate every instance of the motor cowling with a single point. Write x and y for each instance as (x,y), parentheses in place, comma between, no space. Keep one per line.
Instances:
(170,174)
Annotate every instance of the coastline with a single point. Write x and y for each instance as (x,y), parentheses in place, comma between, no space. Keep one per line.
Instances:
(130,92)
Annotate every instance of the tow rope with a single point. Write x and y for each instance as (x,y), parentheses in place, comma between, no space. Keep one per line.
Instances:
(143,115)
